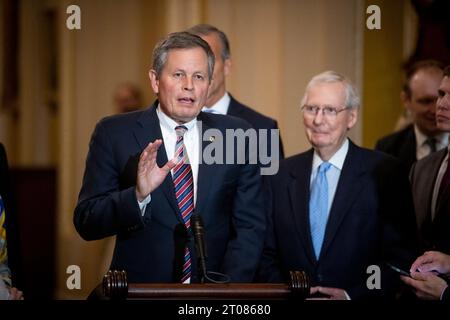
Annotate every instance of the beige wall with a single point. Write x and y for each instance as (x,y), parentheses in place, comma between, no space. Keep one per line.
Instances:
(277,46)
(106,51)
(382,72)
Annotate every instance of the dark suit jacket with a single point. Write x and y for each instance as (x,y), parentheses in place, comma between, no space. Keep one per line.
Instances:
(256,119)
(446,295)
(229,199)
(371,221)
(435,235)
(11,221)
(401,144)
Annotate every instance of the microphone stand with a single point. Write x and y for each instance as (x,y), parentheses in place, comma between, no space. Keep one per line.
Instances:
(200,245)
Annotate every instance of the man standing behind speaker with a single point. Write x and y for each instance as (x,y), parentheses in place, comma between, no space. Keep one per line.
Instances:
(219,100)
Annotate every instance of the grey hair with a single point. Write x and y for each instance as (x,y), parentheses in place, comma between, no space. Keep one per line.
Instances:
(207,29)
(180,40)
(352,99)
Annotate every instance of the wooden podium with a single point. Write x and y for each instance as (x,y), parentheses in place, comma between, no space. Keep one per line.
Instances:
(116,286)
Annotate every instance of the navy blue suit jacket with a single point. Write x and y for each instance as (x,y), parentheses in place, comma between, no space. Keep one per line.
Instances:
(371,221)
(401,144)
(256,119)
(229,199)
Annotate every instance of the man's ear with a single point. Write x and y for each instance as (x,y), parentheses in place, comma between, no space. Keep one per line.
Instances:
(353,118)
(227,66)
(405,99)
(154,80)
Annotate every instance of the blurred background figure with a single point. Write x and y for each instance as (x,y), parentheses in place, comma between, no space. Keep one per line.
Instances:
(8,227)
(127,98)
(422,136)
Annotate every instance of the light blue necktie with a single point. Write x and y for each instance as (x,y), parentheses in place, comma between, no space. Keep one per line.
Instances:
(318,207)
(209,110)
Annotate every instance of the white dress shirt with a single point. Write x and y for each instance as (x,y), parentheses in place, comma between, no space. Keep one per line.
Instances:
(423,149)
(333,173)
(221,106)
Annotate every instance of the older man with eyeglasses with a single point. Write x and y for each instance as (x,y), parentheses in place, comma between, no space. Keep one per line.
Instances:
(338,211)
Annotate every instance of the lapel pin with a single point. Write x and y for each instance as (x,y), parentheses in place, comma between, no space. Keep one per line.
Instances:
(212,138)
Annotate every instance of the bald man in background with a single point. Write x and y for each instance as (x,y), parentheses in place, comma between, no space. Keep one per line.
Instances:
(419,96)
(219,100)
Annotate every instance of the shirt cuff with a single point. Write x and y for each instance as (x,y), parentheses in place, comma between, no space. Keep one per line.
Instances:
(443,291)
(347,296)
(143,204)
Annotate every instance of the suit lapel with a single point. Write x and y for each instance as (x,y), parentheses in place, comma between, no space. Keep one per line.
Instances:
(148,130)
(206,172)
(428,188)
(408,150)
(234,109)
(347,191)
(443,203)
(444,199)
(298,189)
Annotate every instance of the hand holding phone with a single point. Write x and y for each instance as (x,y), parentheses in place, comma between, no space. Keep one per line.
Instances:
(398,270)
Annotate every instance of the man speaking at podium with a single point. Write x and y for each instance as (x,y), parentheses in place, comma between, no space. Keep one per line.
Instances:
(145,178)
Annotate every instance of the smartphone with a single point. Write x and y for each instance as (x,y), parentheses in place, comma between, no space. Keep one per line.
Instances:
(398,270)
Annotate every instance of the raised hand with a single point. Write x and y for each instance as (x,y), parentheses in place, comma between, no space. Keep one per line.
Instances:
(149,175)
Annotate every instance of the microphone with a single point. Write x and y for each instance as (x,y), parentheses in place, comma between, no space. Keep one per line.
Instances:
(200,245)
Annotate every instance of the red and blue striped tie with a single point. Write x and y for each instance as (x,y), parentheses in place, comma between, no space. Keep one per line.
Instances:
(184,192)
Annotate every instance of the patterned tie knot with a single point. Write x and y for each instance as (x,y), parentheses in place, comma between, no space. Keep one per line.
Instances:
(180,130)
(323,168)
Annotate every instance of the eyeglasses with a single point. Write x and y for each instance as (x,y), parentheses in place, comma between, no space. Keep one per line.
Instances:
(327,111)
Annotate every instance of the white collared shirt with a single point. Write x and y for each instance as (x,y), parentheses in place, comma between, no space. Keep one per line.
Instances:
(333,174)
(191,142)
(221,106)
(422,148)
